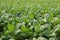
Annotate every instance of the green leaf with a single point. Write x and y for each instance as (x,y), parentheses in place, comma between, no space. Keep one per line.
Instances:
(6,32)
(55,21)
(41,38)
(11,27)
(11,39)
(23,28)
(30,15)
(24,19)
(53,38)
(27,31)
(55,29)
(36,26)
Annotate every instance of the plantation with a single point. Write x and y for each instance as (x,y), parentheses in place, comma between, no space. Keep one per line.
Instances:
(29,19)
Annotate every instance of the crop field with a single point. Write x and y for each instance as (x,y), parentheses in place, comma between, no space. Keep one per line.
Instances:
(29,19)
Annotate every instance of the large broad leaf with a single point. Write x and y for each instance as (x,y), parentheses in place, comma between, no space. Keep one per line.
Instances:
(26,31)
(23,28)
(45,27)
(7,32)
(24,19)
(55,29)
(11,27)
(53,38)
(11,39)
(36,26)
(55,21)
(30,15)
(45,30)
(41,38)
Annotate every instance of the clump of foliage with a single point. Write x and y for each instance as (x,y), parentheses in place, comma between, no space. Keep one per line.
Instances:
(25,20)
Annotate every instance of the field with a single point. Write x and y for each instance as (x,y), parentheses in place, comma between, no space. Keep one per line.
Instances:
(29,19)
